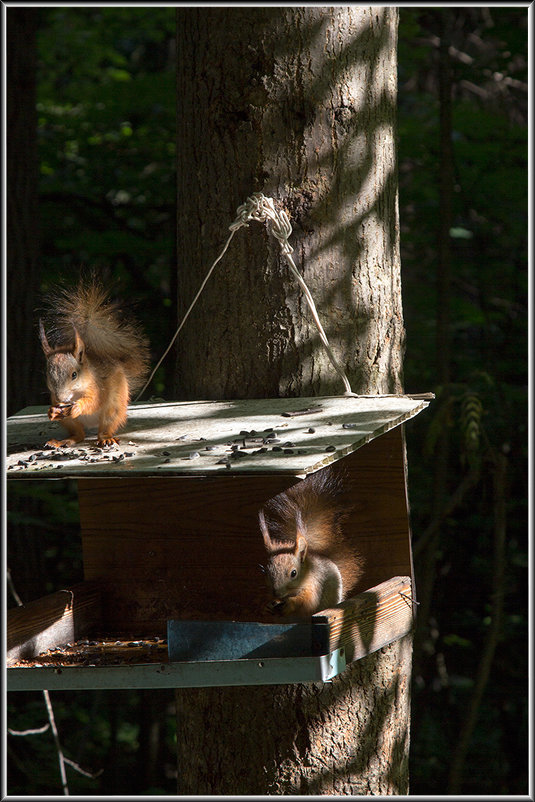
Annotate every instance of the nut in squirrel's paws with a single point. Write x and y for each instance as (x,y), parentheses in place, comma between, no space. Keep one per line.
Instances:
(276,606)
(59,410)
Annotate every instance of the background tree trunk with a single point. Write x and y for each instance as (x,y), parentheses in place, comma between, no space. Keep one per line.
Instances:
(298,103)
(24,373)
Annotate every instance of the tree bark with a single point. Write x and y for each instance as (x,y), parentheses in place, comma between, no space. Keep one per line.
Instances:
(298,103)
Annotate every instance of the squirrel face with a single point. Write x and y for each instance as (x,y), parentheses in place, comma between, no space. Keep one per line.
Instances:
(286,562)
(284,568)
(64,375)
(64,368)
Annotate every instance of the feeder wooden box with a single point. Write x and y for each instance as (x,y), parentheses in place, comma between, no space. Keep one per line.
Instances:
(171,544)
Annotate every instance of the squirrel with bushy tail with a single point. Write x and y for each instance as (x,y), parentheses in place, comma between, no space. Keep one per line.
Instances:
(99,356)
(311,566)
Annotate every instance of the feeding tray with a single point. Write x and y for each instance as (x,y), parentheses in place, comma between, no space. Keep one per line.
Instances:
(171,543)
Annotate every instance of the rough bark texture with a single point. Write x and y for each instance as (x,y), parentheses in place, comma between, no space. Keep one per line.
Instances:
(298,103)
(348,737)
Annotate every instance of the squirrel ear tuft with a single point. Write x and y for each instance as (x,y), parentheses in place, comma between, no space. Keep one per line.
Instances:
(44,342)
(301,547)
(79,347)
(265,532)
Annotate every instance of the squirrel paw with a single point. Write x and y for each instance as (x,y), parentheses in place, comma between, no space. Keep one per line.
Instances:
(60,443)
(106,440)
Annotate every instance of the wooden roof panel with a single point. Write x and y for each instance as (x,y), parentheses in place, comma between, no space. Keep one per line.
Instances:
(264,436)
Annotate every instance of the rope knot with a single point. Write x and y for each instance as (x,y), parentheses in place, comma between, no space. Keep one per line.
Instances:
(261,209)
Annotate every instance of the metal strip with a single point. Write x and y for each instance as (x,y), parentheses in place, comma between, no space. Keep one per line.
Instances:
(234,640)
(269,671)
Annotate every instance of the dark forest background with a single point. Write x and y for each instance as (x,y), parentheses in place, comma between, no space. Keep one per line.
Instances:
(94,93)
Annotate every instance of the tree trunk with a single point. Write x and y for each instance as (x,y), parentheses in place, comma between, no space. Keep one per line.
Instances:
(298,103)
(24,370)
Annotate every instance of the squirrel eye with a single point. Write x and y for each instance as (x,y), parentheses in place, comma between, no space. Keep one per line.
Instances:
(74,374)
(293,573)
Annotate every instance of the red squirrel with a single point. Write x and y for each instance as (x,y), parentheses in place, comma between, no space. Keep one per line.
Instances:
(310,566)
(98,359)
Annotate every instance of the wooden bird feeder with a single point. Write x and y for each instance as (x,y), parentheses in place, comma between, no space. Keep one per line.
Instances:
(172,595)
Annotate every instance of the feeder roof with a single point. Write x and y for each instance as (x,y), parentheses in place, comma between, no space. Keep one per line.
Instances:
(295,436)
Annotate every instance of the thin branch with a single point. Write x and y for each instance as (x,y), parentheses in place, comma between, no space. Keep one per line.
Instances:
(61,758)
(80,770)
(12,589)
(37,731)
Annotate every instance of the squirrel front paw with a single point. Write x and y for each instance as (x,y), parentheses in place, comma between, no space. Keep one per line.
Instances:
(106,440)
(76,410)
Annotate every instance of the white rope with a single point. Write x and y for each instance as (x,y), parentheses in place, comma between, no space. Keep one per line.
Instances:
(258,207)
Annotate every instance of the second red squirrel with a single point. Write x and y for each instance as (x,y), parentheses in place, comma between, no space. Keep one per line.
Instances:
(98,359)
(311,566)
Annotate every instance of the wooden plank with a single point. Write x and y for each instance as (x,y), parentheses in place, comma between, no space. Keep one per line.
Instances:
(53,620)
(357,627)
(378,524)
(207,437)
(371,619)
(189,547)
(165,548)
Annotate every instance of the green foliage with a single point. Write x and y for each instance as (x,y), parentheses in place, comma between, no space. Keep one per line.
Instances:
(483,409)
(106,123)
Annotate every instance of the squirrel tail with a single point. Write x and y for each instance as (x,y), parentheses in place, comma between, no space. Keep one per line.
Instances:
(108,333)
